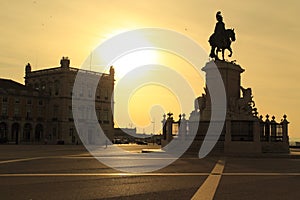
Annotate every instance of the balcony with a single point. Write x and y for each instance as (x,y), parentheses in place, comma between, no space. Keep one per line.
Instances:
(28,118)
(40,119)
(3,117)
(17,118)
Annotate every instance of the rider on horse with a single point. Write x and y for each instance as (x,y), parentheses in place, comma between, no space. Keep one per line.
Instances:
(219,37)
(219,29)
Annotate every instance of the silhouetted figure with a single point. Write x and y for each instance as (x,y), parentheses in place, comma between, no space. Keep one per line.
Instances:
(221,38)
(219,29)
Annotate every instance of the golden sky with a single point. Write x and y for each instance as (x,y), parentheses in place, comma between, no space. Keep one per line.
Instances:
(267,46)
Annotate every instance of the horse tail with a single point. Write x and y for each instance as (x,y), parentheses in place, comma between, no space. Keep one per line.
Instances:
(211,39)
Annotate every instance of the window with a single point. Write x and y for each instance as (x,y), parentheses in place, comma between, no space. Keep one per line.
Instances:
(70,112)
(98,113)
(98,94)
(43,86)
(90,92)
(36,86)
(55,111)
(4,99)
(71,132)
(40,102)
(81,91)
(106,94)
(71,89)
(16,111)
(4,109)
(17,100)
(56,87)
(89,112)
(28,112)
(105,117)
(89,89)
(29,102)
(50,88)
(81,111)
(54,131)
(40,112)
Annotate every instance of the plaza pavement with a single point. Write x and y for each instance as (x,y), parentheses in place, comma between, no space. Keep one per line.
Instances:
(69,172)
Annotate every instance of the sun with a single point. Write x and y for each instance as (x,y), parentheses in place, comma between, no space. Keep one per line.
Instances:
(133,60)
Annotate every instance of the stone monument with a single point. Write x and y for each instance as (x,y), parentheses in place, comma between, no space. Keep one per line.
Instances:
(244,132)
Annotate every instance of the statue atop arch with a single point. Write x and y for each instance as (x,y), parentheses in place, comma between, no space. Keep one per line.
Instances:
(221,38)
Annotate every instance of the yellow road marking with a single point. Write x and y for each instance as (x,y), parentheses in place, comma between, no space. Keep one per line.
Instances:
(209,187)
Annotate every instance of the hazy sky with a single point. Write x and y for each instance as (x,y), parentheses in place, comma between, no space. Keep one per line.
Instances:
(267,46)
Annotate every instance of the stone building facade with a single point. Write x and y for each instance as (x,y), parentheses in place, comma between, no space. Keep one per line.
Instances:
(45,103)
(22,117)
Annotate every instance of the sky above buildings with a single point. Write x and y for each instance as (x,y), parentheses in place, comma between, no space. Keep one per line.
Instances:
(267,46)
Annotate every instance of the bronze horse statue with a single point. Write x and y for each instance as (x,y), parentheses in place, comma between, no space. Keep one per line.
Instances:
(220,43)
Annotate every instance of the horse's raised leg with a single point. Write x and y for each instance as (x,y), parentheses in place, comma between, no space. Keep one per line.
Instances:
(223,54)
(216,53)
(230,50)
(212,52)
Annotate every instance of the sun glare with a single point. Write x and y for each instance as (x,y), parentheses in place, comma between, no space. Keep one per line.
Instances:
(150,83)
(147,101)
(132,60)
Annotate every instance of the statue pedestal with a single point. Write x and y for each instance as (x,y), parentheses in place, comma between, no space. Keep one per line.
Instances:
(240,133)
(231,76)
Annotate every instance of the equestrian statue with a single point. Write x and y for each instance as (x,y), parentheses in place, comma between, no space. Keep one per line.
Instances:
(221,38)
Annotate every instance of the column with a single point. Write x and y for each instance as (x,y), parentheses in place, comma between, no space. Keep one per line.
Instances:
(284,123)
(256,131)
(164,127)
(169,126)
(273,129)
(228,131)
(183,127)
(267,128)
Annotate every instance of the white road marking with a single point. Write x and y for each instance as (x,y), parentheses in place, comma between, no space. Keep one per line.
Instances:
(208,189)
(102,174)
(84,157)
(262,174)
(147,174)
(20,160)
(37,158)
